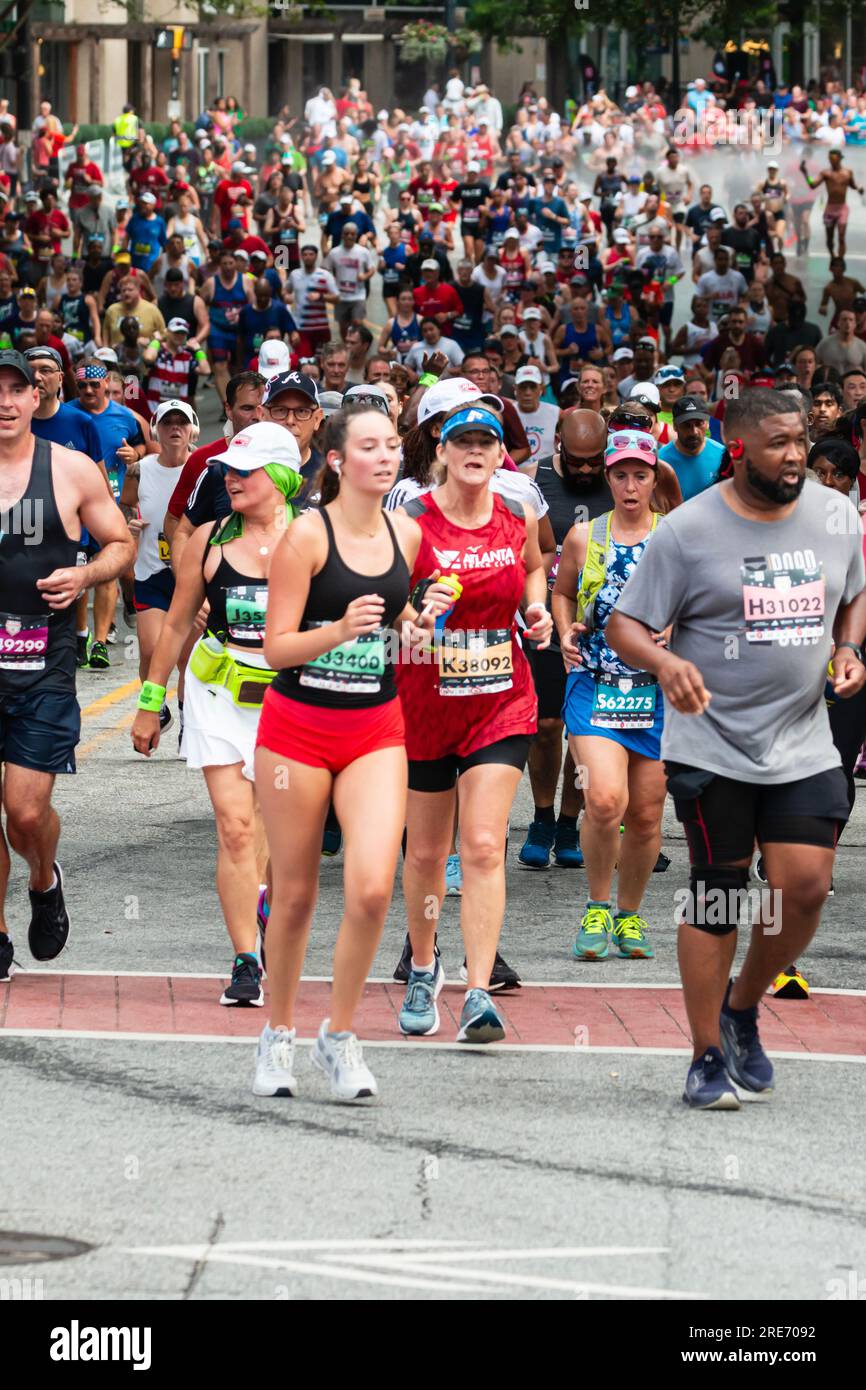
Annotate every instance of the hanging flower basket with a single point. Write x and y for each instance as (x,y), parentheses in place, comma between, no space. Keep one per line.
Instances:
(423,40)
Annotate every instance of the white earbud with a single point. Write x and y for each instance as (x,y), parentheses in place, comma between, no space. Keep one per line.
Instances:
(336,464)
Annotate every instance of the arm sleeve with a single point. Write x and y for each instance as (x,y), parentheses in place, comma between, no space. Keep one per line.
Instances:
(654,593)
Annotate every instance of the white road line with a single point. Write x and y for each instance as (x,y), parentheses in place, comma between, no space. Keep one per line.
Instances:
(444,1267)
(568,1048)
(388,980)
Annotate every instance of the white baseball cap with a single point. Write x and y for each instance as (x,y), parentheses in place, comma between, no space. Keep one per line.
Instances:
(528,374)
(532,314)
(646,393)
(184,407)
(445,395)
(274,358)
(621,236)
(547,268)
(329,157)
(719,214)
(511,234)
(260,444)
(473,167)
(178,325)
(430,264)
(623,354)
(631,93)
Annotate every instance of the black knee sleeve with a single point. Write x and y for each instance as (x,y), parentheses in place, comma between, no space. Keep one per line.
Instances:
(715,898)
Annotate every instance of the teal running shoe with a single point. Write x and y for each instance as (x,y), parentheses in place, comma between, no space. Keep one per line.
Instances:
(479,1021)
(591,942)
(630,935)
(419,1016)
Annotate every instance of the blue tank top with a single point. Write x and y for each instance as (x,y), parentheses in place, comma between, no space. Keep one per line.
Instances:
(586,341)
(224,300)
(619,325)
(404,336)
(497,225)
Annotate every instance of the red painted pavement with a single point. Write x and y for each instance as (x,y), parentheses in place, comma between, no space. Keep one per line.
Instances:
(595,1017)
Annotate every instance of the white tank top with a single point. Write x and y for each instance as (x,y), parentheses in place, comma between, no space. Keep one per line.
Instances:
(186,227)
(155,486)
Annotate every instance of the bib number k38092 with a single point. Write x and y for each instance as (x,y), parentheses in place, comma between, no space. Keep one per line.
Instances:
(475,663)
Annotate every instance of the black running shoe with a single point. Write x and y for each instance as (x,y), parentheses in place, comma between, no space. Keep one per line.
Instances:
(404,965)
(82,654)
(502,977)
(760,872)
(129,613)
(165,719)
(246,983)
(49,921)
(99,658)
(7,956)
(332,842)
(661,864)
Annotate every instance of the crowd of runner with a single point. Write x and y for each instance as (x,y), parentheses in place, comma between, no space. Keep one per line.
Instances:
(441,542)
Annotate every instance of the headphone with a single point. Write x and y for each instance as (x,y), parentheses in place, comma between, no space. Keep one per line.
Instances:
(736,448)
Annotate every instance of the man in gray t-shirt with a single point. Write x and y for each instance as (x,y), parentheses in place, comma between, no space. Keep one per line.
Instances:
(756,578)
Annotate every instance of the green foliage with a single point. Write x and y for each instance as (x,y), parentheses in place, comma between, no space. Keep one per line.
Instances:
(711,20)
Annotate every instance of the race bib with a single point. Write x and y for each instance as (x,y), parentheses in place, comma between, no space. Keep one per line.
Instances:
(163,549)
(475,663)
(784,606)
(246,611)
(554,568)
(353,668)
(624,702)
(23,643)
(114,479)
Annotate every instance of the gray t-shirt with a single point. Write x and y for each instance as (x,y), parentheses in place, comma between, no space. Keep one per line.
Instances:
(752,605)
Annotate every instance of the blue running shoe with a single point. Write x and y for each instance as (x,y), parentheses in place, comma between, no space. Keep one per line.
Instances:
(566,847)
(419,1016)
(747,1063)
(479,1021)
(535,853)
(453,877)
(708,1086)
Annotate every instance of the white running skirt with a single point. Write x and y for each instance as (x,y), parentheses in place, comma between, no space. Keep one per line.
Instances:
(216,731)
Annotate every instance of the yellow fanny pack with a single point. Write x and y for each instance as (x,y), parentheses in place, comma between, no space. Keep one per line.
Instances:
(212,664)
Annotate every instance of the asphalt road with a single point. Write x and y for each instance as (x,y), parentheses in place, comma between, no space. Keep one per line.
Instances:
(525,1174)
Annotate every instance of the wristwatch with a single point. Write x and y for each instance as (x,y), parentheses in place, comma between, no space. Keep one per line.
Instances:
(858,651)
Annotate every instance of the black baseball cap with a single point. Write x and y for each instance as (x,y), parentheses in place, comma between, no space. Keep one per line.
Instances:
(38,354)
(691,408)
(10,358)
(291,381)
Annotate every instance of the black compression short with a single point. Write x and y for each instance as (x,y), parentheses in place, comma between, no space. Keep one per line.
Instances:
(723,818)
(440,774)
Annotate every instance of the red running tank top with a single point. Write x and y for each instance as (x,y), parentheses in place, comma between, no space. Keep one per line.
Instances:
(477,687)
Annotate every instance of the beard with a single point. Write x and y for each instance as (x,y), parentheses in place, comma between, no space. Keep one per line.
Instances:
(580,482)
(781,493)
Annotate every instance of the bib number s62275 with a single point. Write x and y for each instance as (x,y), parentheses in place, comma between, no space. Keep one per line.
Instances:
(624,702)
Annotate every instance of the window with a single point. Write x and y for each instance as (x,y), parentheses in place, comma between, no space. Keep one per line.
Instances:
(221,72)
(203,55)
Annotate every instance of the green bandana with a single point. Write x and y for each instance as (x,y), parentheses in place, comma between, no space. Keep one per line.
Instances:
(286,480)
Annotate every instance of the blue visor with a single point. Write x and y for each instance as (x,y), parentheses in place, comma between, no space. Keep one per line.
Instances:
(471,418)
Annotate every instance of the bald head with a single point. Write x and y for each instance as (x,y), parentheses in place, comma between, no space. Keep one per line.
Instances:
(582,436)
(583,431)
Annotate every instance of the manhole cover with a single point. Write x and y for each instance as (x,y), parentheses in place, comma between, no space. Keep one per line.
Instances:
(24,1248)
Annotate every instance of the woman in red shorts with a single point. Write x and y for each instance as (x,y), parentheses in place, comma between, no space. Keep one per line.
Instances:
(332,728)
(470,714)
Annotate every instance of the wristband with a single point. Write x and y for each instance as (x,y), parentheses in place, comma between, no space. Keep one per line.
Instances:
(151,697)
(428,379)
(154,343)
(858,651)
(200,355)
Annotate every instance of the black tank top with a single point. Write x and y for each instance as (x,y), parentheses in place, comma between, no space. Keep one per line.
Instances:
(357,674)
(37,643)
(183,308)
(238,604)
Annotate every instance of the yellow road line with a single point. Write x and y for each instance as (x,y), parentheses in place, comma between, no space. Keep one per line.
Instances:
(122,724)
(112,698)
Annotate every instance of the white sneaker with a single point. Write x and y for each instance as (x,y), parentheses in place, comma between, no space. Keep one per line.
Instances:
(275,1060)
(339,1056)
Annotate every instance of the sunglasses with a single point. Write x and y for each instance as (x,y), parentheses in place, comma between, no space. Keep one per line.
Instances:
(582,461)
(374,402)
(631,440)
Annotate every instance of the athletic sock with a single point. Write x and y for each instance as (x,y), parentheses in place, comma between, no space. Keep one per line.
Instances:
(425,969)
(567,822)
(545,814)
(590,903)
